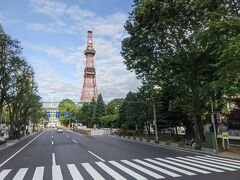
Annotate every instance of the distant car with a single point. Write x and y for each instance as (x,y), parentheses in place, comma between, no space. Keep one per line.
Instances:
(59,130)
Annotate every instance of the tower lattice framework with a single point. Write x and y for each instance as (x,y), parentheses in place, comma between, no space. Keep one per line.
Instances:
(89,90)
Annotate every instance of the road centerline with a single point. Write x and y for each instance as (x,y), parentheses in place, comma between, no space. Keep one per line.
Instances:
(96,156)
(53,159)
(20,149)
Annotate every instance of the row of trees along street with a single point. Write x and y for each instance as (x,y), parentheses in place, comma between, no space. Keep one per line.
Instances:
(19,101)
(93,114)
(191,50)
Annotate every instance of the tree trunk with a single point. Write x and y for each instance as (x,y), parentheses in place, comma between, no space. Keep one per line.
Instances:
(1,113)
(196,121)
(195,112)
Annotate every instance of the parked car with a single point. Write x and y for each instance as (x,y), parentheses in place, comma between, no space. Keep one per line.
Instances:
(59,129)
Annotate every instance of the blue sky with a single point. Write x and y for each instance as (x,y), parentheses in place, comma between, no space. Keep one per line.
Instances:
(53,37)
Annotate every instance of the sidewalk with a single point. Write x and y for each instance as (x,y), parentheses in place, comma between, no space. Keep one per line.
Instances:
(12,142)
(186,149)
(229,155)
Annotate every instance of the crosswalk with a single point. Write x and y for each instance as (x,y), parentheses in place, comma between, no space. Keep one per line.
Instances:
(141,169)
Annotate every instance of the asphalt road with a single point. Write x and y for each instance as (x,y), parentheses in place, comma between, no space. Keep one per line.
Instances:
(50,155)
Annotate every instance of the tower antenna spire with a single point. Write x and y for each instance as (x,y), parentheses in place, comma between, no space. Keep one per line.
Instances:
(89,90)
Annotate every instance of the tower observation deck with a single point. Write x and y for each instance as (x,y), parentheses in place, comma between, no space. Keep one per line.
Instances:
(89,90)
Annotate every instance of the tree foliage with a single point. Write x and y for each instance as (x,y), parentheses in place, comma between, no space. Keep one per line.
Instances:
(18,90)
(190,46)
(99,111)
(65,106)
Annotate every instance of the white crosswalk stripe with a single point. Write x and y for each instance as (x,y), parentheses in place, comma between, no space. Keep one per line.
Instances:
(157,168)
(110,171)
(184,166)
(196,165)
(38,174)
(218,160)
(214,162)
(146,171)
(140,169)
(4,173)
(171,167)
(20,174)
(95,175)
(207,164)
(230,160)
(128,171)
(56,173)
(74,172)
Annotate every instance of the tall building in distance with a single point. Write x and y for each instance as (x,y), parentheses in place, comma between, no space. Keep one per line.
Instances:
(89,90)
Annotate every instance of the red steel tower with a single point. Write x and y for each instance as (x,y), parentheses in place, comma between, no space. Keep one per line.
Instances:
(89,90)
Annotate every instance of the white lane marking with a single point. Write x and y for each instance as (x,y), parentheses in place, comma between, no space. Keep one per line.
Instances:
(218,160)
(74,141)
(216,157)
(52,142)
(171,167)
(4,173)
(95,175)
(169,173)
(146,171)
(196,165)
(56,173)
(74,172)
(52,136)
(20,174)
(207,164)
(184,166)
(214,162)
(38,174)
(128,171)
(20,149)
(53,159)
(96,156)
(110,171)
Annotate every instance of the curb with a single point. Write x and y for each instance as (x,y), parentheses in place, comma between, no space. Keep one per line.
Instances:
(15,141)
(166,146)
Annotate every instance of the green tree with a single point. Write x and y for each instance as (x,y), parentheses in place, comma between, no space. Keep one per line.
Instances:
(161,48)
(113,106)
(85,113)
(67,105)
(109,120)
(9,50)
(99,111)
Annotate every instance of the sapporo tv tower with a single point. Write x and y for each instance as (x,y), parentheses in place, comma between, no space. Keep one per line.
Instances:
(89,90)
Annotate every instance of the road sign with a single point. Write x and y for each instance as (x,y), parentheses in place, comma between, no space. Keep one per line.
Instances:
(47,115)
(217,117)
(67,115)
(57,114)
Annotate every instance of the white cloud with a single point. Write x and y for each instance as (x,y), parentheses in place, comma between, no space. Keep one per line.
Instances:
(113,79)
(48,80)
